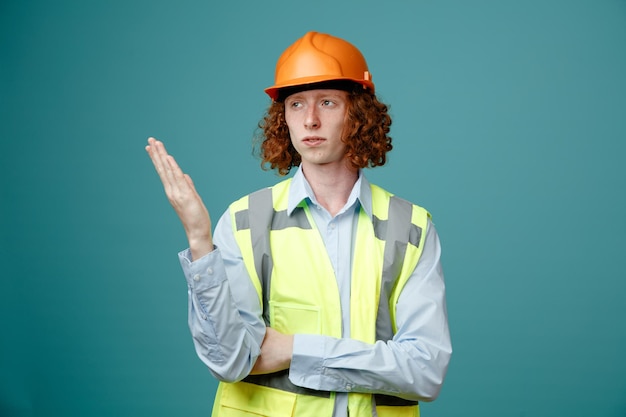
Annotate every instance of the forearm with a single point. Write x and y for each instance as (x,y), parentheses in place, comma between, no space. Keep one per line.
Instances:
(405,369)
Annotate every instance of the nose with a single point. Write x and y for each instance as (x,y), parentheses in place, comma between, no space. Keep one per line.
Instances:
(312,120)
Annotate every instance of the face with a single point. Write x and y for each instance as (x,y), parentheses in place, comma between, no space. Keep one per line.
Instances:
(315,119)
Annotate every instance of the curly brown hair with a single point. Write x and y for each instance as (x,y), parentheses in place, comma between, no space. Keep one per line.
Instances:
(366,134)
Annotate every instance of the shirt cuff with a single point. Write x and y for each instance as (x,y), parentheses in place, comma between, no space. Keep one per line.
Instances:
(203,273)
(306,366)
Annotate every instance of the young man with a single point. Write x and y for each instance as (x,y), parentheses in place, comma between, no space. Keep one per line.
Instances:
(322,295)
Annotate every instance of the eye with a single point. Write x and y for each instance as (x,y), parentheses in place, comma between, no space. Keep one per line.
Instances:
(294,104)
(327,102)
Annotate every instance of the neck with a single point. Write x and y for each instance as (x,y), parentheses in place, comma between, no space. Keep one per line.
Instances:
(331,185)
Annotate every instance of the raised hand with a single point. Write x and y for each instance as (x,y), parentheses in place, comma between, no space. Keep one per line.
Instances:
(183,196)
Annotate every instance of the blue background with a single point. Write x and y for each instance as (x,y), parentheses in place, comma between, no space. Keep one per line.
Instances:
(509,126)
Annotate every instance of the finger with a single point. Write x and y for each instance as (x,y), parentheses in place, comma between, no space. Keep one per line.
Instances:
(158,154)
(155,156)
(176,184)
(164,163)
(161,155)
(175,174)
(170,166)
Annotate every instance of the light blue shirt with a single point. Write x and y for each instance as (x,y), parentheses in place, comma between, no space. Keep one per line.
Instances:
(225,316)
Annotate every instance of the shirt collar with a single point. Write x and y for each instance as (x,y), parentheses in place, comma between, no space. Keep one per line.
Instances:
(300,192)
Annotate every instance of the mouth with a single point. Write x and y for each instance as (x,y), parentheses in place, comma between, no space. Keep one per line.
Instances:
(313,140)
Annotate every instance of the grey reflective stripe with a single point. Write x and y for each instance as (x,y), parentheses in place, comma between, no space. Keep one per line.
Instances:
(260,211)
(415,235)
(380,228)
(241,220)
(282,220)
(397,232)
(280,380)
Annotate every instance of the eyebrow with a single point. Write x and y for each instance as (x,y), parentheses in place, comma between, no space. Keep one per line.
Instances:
(298,96)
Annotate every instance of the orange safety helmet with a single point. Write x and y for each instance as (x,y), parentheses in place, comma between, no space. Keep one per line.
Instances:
(318,57)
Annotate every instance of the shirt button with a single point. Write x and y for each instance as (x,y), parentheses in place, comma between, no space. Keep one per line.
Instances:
(348,387)
(209,271)
(196,277)
(203,316)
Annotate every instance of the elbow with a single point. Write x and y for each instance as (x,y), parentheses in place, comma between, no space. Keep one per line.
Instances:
(429,378)
(426,389)
(225,366)
(224,370)
(435,377)
(430,392)
(223,375)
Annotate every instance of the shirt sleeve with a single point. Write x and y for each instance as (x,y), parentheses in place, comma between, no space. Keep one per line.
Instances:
(224,314)
(412,365)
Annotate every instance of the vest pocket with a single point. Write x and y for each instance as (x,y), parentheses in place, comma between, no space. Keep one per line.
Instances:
(295,318)
(245,400)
